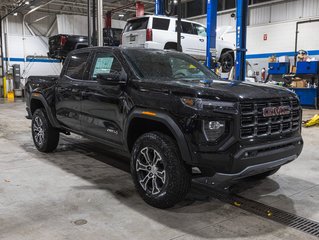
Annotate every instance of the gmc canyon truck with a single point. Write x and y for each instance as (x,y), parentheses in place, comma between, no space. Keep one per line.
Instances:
(171,114)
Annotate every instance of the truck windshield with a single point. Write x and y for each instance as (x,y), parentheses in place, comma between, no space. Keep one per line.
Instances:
(166,65)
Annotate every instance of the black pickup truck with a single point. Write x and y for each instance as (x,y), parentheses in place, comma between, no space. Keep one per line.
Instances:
(62,44)
(171,113)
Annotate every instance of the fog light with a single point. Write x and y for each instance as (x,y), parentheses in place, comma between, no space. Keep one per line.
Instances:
(215,125)
(213,129)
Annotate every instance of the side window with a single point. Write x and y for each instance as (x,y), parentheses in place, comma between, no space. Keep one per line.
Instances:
(200,30)
(183,69)
(76,66)
(106,63)
(187,28)
(160,23)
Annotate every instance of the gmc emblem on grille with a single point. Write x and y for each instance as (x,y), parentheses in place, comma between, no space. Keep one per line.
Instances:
(276,111)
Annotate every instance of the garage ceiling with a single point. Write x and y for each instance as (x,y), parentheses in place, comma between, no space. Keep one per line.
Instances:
(78,7)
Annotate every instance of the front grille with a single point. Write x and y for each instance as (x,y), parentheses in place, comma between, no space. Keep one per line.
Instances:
(254,124)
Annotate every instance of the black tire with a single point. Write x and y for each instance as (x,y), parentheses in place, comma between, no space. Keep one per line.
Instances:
(45,137)
(169,183)
(264,175)
(227,61)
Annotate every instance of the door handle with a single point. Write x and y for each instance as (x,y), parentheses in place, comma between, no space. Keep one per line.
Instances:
(202,40)
(182,37)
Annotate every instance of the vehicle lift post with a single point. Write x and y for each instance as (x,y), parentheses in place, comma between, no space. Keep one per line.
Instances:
(211,51)
(159,7)
(241,36)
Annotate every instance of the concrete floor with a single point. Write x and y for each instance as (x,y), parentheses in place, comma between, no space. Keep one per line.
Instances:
(82,191)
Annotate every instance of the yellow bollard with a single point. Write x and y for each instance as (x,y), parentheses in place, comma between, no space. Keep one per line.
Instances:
(10,96)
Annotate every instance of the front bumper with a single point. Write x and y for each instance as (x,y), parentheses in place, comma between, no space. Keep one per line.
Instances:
(244,161)
(247,172)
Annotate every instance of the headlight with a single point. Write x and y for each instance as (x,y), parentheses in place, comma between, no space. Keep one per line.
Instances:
(203,104)
(213,129)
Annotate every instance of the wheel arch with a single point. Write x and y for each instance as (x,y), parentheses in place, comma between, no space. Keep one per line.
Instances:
(170,46)
(38,101)
(139,123)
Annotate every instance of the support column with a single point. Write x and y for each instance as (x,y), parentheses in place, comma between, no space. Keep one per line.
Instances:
(179,25)
(159,7)
(140,9)
(211,51)
(89,22)
(94,38)
(100,23)
(241,34)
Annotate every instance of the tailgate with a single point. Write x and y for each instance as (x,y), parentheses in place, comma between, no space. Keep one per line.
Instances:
(134,34)
(54,43)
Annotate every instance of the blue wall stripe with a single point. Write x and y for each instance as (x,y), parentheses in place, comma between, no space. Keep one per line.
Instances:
(249,56)
(37,60)
(278,54)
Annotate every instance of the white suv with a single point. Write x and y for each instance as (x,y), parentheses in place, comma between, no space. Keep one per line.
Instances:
(159,32)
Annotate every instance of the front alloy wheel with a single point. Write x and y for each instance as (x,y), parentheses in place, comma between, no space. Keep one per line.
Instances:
(150,170)
(160,176)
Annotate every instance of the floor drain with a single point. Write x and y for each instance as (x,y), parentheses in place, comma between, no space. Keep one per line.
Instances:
(80,222)
(288,219)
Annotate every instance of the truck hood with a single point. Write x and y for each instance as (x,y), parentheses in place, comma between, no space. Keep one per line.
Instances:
(217,90)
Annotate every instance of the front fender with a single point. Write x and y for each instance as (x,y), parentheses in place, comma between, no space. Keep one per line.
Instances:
(165,119)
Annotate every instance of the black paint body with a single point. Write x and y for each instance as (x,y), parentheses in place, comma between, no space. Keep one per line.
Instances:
(106,113)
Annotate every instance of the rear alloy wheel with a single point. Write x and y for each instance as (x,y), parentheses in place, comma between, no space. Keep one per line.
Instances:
(159,174)
(45,137)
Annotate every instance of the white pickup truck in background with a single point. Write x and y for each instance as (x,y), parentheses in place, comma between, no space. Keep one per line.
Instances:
(159,32)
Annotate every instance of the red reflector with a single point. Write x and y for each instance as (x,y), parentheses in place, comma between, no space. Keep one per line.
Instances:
(63,40)
(149,34)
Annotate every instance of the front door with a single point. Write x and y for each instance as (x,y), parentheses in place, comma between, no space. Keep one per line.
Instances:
(201,40)
(102,105)
(69,92)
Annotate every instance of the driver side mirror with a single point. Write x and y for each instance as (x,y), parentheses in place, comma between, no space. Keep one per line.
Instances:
(112,79)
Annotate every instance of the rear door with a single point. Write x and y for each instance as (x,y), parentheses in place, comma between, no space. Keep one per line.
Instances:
(134,34)
(69,91)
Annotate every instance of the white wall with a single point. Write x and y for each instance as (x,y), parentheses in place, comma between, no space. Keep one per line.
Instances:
(34,48)
(78,25)
(30,51)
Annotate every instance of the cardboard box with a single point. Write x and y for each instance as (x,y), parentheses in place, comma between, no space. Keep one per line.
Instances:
(299,83)
(293,69)
(272,59)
